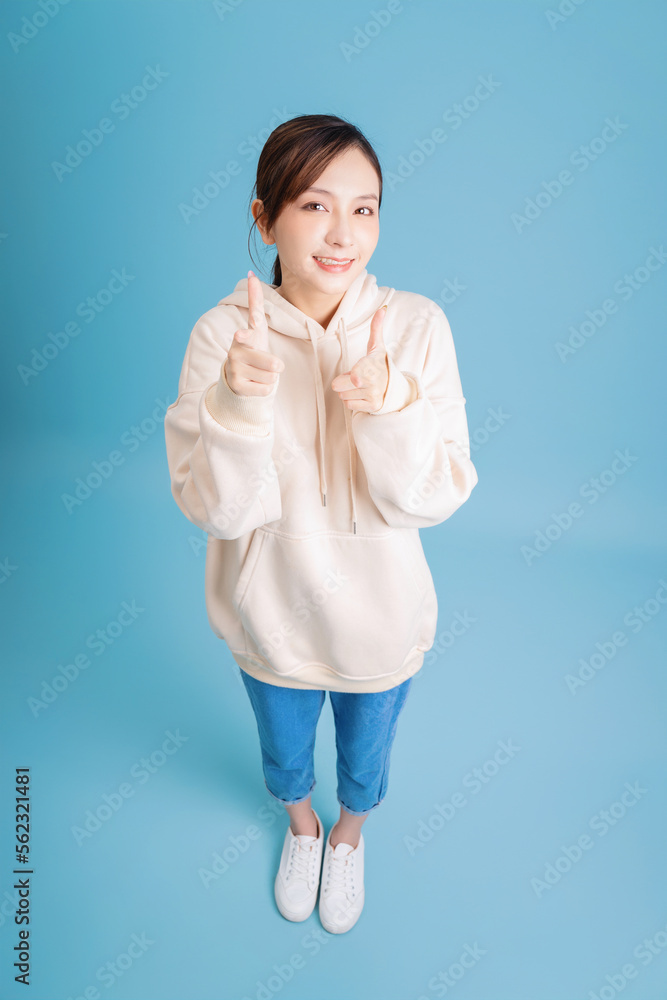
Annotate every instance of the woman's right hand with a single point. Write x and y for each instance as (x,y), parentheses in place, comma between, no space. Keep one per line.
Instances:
(249,368)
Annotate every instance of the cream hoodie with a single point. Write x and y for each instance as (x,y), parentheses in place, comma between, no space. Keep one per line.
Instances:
(315,573)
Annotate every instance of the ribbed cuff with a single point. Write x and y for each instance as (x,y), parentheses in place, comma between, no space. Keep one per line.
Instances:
(243,414)
(401,390)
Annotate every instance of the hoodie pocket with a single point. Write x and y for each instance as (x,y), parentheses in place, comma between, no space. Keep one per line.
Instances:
(352,603)
(247,569)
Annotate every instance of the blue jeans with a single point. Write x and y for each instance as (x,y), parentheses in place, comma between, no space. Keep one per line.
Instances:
(365,728)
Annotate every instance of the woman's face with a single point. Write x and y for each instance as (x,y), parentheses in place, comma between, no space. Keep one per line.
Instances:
(339,220)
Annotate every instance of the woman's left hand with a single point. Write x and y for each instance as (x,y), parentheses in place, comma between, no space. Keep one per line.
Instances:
(364,386)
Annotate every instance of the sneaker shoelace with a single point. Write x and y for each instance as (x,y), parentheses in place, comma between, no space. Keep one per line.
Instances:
(341,876)
(302,861)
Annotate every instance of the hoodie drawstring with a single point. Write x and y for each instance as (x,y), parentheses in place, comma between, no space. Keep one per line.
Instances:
(322,422)
(321,414)
(351,450)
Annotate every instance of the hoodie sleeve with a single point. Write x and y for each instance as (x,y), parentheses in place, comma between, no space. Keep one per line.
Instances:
(415,449)
(218,443)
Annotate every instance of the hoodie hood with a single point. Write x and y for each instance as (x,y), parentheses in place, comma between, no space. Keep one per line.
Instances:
(355,311)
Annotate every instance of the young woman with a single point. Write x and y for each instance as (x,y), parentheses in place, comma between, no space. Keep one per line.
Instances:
(320,422)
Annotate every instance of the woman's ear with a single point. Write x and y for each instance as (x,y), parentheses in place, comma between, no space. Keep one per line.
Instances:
(257,209)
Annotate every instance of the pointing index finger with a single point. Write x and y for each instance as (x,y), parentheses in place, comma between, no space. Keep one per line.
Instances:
(256,317)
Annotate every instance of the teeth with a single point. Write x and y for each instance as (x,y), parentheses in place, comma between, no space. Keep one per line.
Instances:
(329,260)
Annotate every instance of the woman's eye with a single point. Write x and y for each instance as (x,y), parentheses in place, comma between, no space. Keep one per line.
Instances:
(315,204)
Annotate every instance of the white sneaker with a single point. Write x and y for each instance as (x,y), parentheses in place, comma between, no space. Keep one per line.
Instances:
(342,888)
(298,878)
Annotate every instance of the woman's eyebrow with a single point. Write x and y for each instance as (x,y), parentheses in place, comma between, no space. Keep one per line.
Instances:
(359,196)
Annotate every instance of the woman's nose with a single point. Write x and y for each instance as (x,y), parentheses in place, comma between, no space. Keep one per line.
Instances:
(340,233)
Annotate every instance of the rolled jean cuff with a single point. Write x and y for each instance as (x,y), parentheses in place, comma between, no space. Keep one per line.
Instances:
(354,812)
(296,801)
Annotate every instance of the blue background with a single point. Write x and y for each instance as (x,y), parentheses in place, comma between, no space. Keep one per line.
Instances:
(229,70)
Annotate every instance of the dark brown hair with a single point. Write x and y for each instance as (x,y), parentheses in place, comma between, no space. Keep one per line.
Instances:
(294,156)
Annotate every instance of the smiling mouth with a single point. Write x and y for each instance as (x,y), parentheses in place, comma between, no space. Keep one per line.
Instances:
(334,260)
